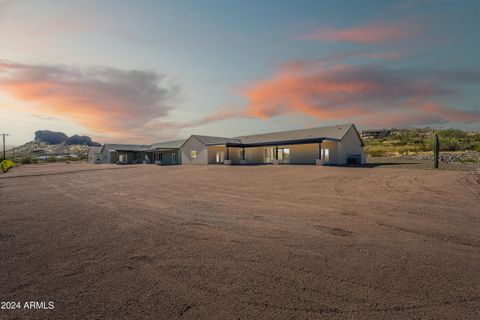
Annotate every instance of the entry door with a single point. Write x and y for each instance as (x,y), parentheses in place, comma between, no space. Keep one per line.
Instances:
(220,157)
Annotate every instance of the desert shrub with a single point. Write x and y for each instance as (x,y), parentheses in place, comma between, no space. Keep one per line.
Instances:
(6,164)
(27,160)
(452,134)
(51,159)
(377,151)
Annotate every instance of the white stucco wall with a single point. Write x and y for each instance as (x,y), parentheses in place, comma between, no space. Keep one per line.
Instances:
(233,154)
(350,145)
(191,144)
(303,153)
(254,155)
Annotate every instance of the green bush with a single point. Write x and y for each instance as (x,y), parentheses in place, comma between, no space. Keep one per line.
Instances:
(6,164)
(414,140)
(376,151)
(27,160)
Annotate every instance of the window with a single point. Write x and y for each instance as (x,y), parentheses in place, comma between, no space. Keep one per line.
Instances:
(220,157)
(268,155)
(284,155)
(174,158)
(105,157)
(122,158)
(326,155)
(193,153)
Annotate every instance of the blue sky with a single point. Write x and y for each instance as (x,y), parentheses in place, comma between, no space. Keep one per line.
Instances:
(148,71)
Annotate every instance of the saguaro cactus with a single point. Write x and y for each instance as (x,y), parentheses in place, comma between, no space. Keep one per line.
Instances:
(436,150)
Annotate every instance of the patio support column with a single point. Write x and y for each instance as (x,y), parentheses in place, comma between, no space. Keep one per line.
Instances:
(319,161)
(227,160)
(276,156)
(243,161)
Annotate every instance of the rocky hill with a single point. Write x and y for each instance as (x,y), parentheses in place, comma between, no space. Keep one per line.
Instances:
(50,143)
(52,137)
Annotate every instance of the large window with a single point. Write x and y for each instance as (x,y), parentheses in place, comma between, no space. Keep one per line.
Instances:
(220,156)
(193,153)
(326,155)
(284,155)
(268,155)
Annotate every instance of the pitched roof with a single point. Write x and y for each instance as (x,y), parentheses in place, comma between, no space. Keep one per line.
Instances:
(130,147)
(331,132)
(209,140)
(175,144)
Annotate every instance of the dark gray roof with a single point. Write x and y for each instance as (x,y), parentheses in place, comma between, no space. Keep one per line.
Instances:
(208,140)
(175,144)
(125,147)
(331,132)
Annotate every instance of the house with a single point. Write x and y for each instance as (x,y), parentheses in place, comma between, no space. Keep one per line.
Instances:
(375,134)
(165,153)
(122,153)
(94,154)
(206,149)
(340,144)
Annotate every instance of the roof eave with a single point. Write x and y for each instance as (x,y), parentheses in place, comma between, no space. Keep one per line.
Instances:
(277,143)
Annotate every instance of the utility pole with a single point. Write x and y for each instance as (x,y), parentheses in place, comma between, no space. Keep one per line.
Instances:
(4,135)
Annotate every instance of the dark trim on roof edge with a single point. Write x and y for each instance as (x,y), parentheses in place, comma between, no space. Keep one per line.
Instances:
(275,143)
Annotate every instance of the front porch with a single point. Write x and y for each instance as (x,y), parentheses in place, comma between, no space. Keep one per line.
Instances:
(159,157)
(291,152)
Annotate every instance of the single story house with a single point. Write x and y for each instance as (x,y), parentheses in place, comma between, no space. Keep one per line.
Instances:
(206,149)
(165,153)
(121,153)
(340,144)
(94,155)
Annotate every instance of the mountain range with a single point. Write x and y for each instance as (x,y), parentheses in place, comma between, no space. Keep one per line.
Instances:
(50,143)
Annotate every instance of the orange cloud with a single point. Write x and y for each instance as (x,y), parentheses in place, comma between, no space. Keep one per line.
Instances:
(363,94)
(108,101)
(372,33)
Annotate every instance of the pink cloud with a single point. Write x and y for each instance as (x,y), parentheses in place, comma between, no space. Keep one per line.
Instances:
(372,33)
(360,93)
(108,101)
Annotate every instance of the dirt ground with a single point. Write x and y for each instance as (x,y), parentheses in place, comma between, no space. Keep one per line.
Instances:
(240,242)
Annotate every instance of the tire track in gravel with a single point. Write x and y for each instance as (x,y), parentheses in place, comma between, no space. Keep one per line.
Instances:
(432,235)
(61,173)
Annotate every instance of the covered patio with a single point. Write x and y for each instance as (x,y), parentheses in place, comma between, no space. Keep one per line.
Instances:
(300,151)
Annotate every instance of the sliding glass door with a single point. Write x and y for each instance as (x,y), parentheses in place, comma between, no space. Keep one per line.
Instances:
(283,155)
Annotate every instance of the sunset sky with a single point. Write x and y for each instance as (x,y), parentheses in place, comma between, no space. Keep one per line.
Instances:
(148,71)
